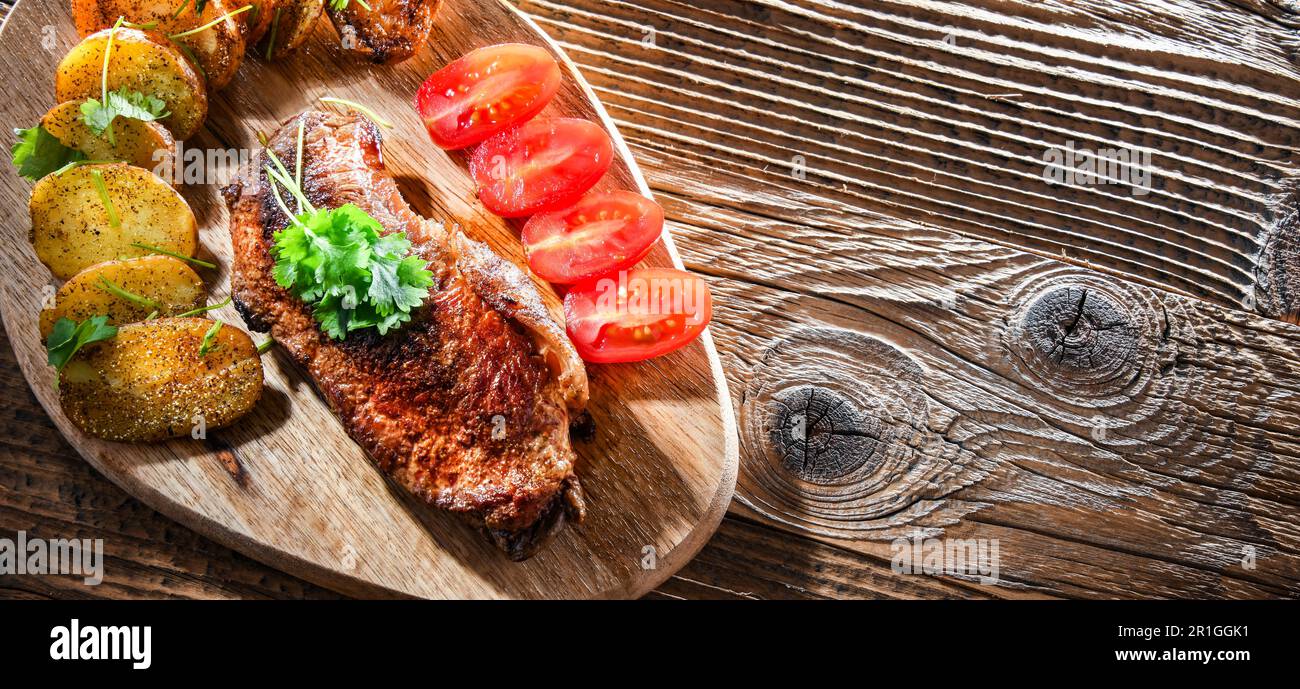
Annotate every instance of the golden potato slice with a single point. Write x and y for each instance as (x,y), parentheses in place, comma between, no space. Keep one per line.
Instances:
(72,229)
(139,62)
(168,286)
(218,50)
(151,382)
(144,144)
(292,21)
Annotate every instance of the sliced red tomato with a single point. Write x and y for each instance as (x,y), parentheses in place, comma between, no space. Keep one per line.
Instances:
(601,233)
(633,315)
(540,166)
(486,92)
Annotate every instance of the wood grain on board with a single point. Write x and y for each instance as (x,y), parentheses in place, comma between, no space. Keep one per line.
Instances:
(923,335)
(285,484)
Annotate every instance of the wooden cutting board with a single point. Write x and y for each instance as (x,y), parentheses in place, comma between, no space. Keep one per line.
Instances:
(285,485)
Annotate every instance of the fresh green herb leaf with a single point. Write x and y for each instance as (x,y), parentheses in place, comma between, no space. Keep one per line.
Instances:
(68,337)
(118,291)
(275,26)
(209,338)
(99,114)
(194,59)
(79,163)
(359,108)
(338,261)
(209,25)
(36,153)
(204,309)
(98,179)
(266,345)
(173,254)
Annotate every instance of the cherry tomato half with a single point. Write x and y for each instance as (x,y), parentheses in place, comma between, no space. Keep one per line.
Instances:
(485,92)
(636,314)
(539,166)
(601,233)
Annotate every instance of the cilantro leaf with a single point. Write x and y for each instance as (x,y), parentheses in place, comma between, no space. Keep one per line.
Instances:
(354,276)
(68,337)
(99,114)
(36,153)
(209,339)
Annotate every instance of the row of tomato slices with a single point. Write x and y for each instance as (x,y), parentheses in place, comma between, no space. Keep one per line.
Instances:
(545,169)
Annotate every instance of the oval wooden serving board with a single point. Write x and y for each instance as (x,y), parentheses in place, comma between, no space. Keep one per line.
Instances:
(285,485)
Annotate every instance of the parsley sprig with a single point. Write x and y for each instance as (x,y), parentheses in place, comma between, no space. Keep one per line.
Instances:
(68,337)
(340,261)
(98,115)
(36,153)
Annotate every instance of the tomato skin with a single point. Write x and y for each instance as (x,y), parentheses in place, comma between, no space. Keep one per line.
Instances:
(601,233)
(607,323)
(540,166)
(485,92)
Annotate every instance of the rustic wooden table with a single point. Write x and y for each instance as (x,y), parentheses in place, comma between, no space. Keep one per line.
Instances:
(929,330)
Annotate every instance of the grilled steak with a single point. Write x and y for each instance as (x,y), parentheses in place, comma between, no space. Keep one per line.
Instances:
(468,405)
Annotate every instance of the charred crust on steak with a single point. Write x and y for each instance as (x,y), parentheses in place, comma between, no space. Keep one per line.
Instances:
(568,506)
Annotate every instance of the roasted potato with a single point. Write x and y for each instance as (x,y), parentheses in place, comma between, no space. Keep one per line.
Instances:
(292,21)
(168,285)
(144,144)
(150,381)
(257,22)
(139,62)
(390,31)
(217,50)
(72,228)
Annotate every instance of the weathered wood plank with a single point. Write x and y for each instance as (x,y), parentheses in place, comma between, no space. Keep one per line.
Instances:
(1096,427)
(944,112)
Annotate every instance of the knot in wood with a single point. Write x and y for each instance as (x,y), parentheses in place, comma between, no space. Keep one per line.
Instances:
(1106,357)
(820,434)
(838,436)
(1080,330)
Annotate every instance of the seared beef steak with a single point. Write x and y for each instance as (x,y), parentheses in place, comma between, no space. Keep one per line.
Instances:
(468,405)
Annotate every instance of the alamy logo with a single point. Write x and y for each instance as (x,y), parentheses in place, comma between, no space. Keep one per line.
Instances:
(976,557)
(1127,166)
(189,165)
(75,642)
(81,556)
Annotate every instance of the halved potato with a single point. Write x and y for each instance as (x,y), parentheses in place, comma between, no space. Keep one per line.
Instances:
(169,284)
(150,381)
(72,228)
(144,144)
(292,21)
(218,49)
(257,22)
(139,62)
